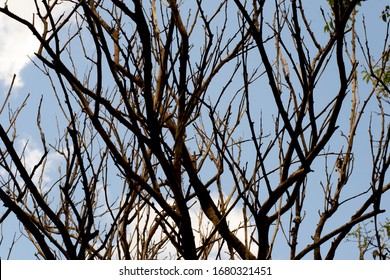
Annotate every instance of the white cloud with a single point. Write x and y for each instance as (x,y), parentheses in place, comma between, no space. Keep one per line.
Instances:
(235,220)
(201,227)
(17,43)
(32,154)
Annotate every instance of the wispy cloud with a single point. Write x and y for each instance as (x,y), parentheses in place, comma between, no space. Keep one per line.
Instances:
(32,155)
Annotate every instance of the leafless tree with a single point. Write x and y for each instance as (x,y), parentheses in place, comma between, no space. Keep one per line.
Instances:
(199,130)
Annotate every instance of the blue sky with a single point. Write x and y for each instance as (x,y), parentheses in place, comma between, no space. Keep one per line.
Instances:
(17,46)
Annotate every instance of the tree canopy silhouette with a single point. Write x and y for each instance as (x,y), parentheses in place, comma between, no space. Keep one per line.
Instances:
(200,130)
